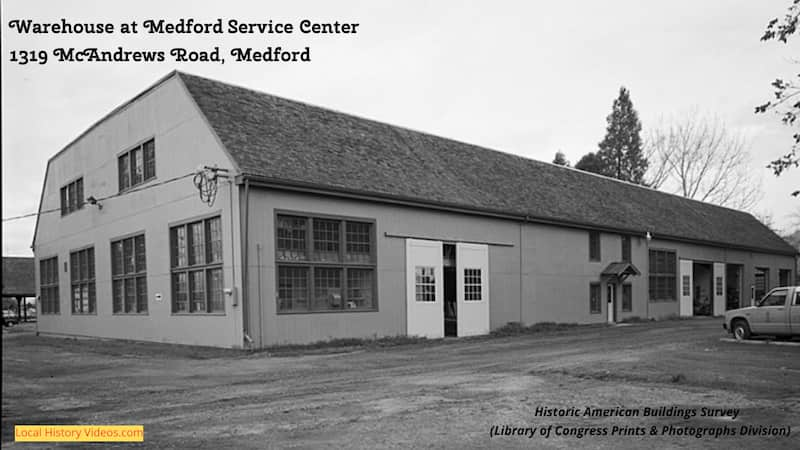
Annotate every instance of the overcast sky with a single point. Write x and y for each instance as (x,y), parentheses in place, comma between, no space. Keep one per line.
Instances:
(525,77)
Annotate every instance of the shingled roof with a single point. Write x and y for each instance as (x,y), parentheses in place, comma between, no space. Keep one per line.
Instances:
(293,143)
(18,277)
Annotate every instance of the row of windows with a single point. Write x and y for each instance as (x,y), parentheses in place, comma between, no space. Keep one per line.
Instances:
(325,264)
(134,167)
(425,284)
(197,284)
(594,247)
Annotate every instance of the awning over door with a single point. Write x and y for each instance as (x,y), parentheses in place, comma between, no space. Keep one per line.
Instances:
(619,271)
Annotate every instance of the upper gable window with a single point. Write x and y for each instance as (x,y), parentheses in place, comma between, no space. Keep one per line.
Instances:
(72,197)
(137,165)
(594,246)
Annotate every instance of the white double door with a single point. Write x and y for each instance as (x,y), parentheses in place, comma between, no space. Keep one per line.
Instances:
(425,288)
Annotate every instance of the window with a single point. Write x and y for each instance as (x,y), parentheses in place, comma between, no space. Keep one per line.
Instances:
(72,197)
(663,275)
(626,248)
(48,286)
(686,284)
(594,246)
(718,290)
(595,302)
(81,270)
(425,282)
(324,264)
(784,277)
(797,298)
(761,282)
(196,260)
(129,275)
(627,298)
(775,298)
(472,285)
(137,165)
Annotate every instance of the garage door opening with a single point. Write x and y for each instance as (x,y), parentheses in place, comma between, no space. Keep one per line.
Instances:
(450,294)
(702,289)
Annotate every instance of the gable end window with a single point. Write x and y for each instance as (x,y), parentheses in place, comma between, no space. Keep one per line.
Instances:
(626,248)
(81,271)
(72,197)
(137,165)
(48,286)
(196,260)
(663,275)
(594,246)
(324,264)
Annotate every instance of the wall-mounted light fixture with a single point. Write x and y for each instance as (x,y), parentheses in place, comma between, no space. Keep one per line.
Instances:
(649,236)
(93,201)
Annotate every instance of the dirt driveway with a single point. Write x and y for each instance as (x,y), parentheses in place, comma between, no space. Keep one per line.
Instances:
(445,394)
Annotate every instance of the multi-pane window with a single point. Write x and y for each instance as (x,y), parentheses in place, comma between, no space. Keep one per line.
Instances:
(293,288)
(595,300)
(326,240)
(72,197)
(626,248)
(129,275)
(137,165)
(627,298)
(48,286)
(718,286)
(291,238)
(594,246)
(81,270)
(196,260)
(324,264)
(425,284)
(472,285)
(686,286)
(663,275)
(327,288)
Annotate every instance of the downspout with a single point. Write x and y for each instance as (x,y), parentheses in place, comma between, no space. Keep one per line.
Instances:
(245,285)
(521,268)
(233,242)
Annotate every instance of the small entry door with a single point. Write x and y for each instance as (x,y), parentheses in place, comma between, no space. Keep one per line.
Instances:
(718,286)
(611,295)
(472,288)
(424,288)
(685,286)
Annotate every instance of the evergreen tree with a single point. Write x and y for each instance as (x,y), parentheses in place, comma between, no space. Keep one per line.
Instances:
(560,159)
(620,152)
(591,163)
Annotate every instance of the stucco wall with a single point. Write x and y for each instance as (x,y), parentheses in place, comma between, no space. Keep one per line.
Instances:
(183,141)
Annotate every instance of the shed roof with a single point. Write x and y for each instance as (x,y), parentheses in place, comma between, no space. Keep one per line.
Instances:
(289,142)
(18,277)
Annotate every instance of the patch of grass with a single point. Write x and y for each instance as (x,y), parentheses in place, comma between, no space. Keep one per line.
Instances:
(516,328)
(342,345)
(636,319)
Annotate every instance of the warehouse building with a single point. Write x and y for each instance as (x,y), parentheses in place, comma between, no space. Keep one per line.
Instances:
(309,224)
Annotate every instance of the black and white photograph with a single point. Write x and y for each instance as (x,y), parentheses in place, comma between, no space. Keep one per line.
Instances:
(377,224)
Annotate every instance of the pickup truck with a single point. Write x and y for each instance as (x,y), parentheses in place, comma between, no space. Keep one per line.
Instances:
(776,314)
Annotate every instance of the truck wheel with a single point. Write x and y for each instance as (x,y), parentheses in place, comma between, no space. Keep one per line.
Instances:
(741,330)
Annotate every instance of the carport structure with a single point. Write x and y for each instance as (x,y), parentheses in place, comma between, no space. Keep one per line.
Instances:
(19,282)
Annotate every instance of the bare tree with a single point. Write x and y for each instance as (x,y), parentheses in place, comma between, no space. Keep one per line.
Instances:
(698,157)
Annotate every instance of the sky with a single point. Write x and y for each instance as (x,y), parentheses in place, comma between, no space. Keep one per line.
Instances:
(525,77)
